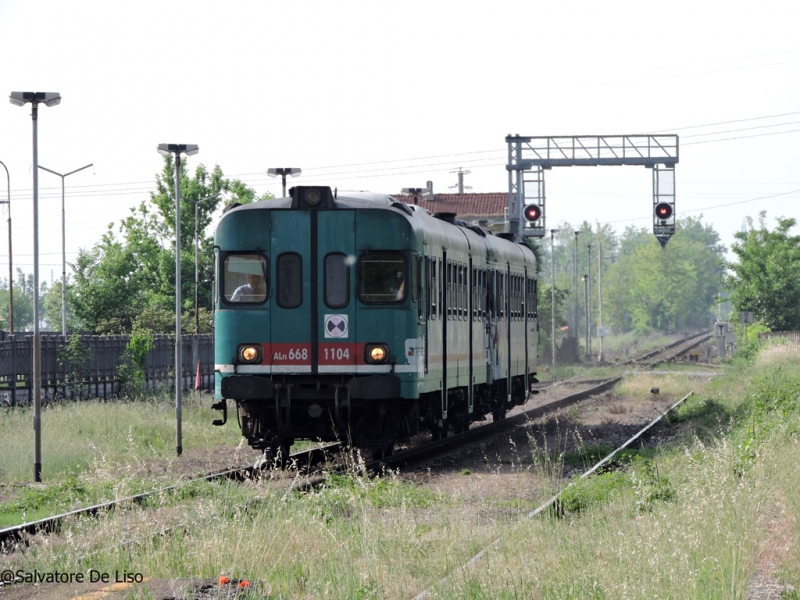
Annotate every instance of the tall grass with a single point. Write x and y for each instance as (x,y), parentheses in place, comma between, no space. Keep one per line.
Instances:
(690,521)
(77,435)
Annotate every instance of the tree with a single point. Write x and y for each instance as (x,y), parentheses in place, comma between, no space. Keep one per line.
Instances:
(650,288)
(23,302)
(544,308)
(766,276)
(124,276)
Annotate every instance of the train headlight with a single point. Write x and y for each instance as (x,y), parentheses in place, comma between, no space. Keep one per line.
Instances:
(313,197)
(249,353)
(376,353)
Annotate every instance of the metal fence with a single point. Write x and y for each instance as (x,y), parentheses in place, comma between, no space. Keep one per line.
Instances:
(96,372)
(792,336)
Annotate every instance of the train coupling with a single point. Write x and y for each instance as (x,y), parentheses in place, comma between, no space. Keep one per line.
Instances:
(223,406)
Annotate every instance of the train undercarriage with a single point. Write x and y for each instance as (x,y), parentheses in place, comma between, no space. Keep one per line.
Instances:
(362,412)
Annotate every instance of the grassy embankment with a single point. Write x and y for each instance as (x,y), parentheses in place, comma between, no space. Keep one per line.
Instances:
(696,519)
(94,451)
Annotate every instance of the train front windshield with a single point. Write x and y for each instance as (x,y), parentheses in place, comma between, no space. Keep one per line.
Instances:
(382,277)
(245,279)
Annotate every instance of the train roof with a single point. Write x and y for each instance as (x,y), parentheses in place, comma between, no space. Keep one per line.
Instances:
(372,200)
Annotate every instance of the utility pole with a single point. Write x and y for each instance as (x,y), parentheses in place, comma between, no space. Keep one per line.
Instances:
(460,185)
(168,150)
(553,297)
(601,332)
(64,248)
(48,99)
(586,294)
(575,283)
(10,265)
(588,306)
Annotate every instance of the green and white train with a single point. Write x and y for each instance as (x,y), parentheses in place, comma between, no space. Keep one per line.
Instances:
(362,319)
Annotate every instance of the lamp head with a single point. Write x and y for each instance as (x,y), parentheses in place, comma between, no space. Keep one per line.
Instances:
(294,172)
(187,149)
(22,98)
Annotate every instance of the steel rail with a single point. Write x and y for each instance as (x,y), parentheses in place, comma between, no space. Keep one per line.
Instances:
(314,456)
(540,509)
(305,458)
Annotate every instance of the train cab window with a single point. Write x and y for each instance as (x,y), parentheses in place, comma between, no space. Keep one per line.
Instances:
(244,278)
(289,280)
(337,280)
(382,278)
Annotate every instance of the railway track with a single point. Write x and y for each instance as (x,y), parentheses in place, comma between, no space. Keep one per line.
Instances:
(306,461)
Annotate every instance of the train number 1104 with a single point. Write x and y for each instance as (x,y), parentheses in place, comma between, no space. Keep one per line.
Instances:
(337,353)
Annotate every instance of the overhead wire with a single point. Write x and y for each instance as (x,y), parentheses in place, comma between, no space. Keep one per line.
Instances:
(91,190)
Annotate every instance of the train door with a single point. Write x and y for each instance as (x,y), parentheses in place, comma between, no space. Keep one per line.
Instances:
(290,302)
(493,297)
(336,350)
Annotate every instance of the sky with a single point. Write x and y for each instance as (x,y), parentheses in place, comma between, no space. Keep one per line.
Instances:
(379,96)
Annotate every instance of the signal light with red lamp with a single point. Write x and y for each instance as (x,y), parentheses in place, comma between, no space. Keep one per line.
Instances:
(532,212)
(663,210)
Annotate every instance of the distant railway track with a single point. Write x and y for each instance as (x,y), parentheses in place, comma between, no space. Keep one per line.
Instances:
(305,461)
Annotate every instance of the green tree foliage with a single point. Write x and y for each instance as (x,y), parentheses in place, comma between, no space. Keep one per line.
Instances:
(766,276)
(23,302)
(132,273)
(546,317)
(662,289)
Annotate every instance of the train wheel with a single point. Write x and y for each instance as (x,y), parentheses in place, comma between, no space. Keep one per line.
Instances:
(499,414)
(277,455)
(384,452)
(439,433)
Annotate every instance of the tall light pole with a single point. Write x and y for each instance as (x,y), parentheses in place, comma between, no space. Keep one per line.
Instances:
(294,172)
(196,269)
(167,150)
(553,297)
(588,305)
(575,281)
(48,99)
(586,293)
(10,265)
(64,248)
(600,330)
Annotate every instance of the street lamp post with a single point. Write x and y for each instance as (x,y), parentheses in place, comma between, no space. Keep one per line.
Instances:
(167,150)
(48,99)
(575,282)
(600,330)
(294,172)
(196,269)
(553,297)
(586,294)
(10,261)
(588,306)
(64,248)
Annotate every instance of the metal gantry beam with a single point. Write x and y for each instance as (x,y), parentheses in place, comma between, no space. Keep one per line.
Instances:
(529,156)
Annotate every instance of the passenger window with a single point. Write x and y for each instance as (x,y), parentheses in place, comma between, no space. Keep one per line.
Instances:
(449,289)
(244,278)
(289,280)
(382,278)
(337,280)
